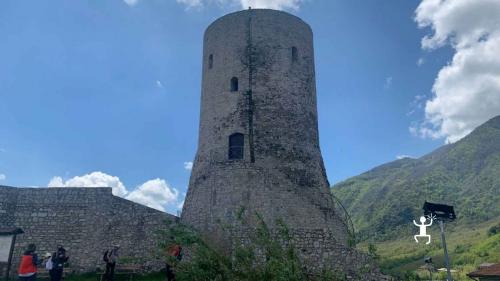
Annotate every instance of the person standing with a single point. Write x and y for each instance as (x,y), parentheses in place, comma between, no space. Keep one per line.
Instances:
(27,268)
(174,255)
(111,257)
(59,258)
(48,264)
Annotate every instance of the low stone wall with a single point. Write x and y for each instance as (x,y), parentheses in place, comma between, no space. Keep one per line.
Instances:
(318,250)
(86,221)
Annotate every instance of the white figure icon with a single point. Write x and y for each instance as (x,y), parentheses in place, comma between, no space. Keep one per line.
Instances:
(423,229)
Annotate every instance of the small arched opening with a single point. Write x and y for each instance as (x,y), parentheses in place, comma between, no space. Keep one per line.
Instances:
(234,84)
(236,146)
(295,54)
(210,61)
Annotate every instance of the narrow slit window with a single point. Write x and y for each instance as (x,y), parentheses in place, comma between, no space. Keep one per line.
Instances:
(234,84)
(210,61)
(236,145)
(295,54)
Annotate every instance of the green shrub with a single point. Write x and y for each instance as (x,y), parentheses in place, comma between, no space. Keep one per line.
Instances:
(372,251)
(268,255)
(494,230)
(411,276)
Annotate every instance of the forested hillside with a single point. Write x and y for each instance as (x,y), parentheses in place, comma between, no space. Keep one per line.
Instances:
(383,201)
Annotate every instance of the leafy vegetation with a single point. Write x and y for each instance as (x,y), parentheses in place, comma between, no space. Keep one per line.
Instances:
(494,230)
(267,255)
(372,251)
(467,247)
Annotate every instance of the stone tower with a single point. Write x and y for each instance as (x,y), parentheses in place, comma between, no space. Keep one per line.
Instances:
(258,148)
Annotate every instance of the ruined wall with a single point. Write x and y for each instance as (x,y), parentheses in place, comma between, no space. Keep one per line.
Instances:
(281,175)
(86,221)
(319,250)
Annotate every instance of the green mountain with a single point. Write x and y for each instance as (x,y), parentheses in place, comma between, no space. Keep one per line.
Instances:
(383,201)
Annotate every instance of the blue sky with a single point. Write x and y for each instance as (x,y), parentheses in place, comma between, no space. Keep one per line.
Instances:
(114,86)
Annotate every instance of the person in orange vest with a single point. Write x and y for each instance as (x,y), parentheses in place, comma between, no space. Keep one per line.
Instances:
(174,255)
(29,261)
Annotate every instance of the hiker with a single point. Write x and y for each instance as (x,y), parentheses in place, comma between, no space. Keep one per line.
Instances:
(59,258)
(174,255)
(27,268)
(110,257)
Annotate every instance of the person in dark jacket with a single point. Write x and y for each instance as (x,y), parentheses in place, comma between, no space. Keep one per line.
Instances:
(59,258)
(27,268)
(110,257)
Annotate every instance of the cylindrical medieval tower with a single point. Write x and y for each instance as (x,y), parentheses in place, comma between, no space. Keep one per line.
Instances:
(258,149)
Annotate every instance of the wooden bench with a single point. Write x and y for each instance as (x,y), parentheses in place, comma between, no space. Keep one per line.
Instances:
(128,270)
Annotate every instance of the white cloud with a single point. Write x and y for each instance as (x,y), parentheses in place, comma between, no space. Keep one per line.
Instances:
(94,179)
(244,4)
(403,156)
(467,90)
(188,166)
(131,2)
(420,61)
(155,194)
(271,4)
(159,84)
(56,182)
(2,177)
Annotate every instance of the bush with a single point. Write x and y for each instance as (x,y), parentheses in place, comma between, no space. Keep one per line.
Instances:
(372,251)
(268,255)
(494,230)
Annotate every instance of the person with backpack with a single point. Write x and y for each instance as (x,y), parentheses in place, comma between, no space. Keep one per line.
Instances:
(110,257)
(174,255)
(58,259)
(27,267)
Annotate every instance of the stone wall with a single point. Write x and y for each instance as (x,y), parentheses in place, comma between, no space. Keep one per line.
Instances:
(317,248)
(86,221)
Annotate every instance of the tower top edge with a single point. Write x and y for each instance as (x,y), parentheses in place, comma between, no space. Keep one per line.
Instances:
(258,11)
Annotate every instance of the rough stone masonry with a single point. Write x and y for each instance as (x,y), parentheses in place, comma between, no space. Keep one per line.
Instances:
(86,221)
(258,149)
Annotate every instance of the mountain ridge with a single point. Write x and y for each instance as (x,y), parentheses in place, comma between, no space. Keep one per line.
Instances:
(382,201)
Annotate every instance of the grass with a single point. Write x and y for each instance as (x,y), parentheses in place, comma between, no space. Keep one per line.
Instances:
(467,248)
(156,276)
